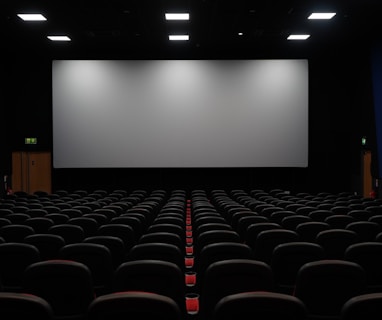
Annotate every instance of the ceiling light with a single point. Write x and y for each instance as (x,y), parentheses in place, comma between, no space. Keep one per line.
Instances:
(180,37)
(240,33)
(321,15)
(298,36)
(177,16)
(59,38)
(32,17)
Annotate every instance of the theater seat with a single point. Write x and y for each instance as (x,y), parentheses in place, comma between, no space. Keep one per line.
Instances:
(362,307)
(133,306)
(369,256)
(288,258)
(66,285)
(157,251)
(220,251)
(335,242)
(97,258)
(15,306)
(325,285)
(226,277)
(48,245)
(161,277)
(260,305)
(267,240)
(14,258)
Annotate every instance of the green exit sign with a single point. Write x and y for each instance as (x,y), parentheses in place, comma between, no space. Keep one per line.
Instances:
(30,140)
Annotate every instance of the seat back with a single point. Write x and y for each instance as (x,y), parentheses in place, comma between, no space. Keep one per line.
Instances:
(66,285)
(369,256)
(24,306)
(267,240)
(97,258)
(71,233)
(89,225)
(309,230)
(291,222)
(15,232)
(133,305)
(14,259)
(122,231)
(260,305)
(288,258)
(157,251)
(335,242)
(211,226)
(115,246)
(220,251)
(365,306)
(253,231)
(48,245)
(163,237)
(227,277)
(339,221)
(365,230)
(161,277)
(39,224)
(325,285)
(215,236)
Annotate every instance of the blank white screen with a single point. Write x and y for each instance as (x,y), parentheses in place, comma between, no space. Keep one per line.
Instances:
(180,113)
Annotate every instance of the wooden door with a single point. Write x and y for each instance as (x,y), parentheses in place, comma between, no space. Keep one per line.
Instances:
(367,182)
(31,171)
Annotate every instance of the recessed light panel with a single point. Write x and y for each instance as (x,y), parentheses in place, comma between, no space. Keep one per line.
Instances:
(31,17)
(298,36)
(321,15)
(181,37)
(177,16)
(59,38)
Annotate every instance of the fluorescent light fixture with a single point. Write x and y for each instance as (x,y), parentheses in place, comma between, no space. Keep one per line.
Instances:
(180,37)
(31,17)
(298,36)
(59,38)
(177,16)
(322,15)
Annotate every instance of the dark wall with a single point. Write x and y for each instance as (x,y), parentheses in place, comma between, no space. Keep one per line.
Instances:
(3,143)
(340,104)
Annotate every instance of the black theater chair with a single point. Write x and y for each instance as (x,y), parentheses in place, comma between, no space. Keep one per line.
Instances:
(157,251)
(115,246)
(15,232)
(122,231)
(71,233)
(267,240)
(220,251)
(336,241)
(157,276)
(134,306)
(325,285)
(66,285)
(288,258)
(97,258)
(369,256)
(260,305)
(47,244)
(226,277)
(24,306)
(14,258)
(365,306)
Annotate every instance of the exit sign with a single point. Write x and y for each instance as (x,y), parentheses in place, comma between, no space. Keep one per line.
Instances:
(30,140)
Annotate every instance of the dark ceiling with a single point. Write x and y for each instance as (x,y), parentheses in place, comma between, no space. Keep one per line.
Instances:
(137,28)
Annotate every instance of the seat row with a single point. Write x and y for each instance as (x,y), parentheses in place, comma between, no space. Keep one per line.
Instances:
(214,243)
(325,289)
